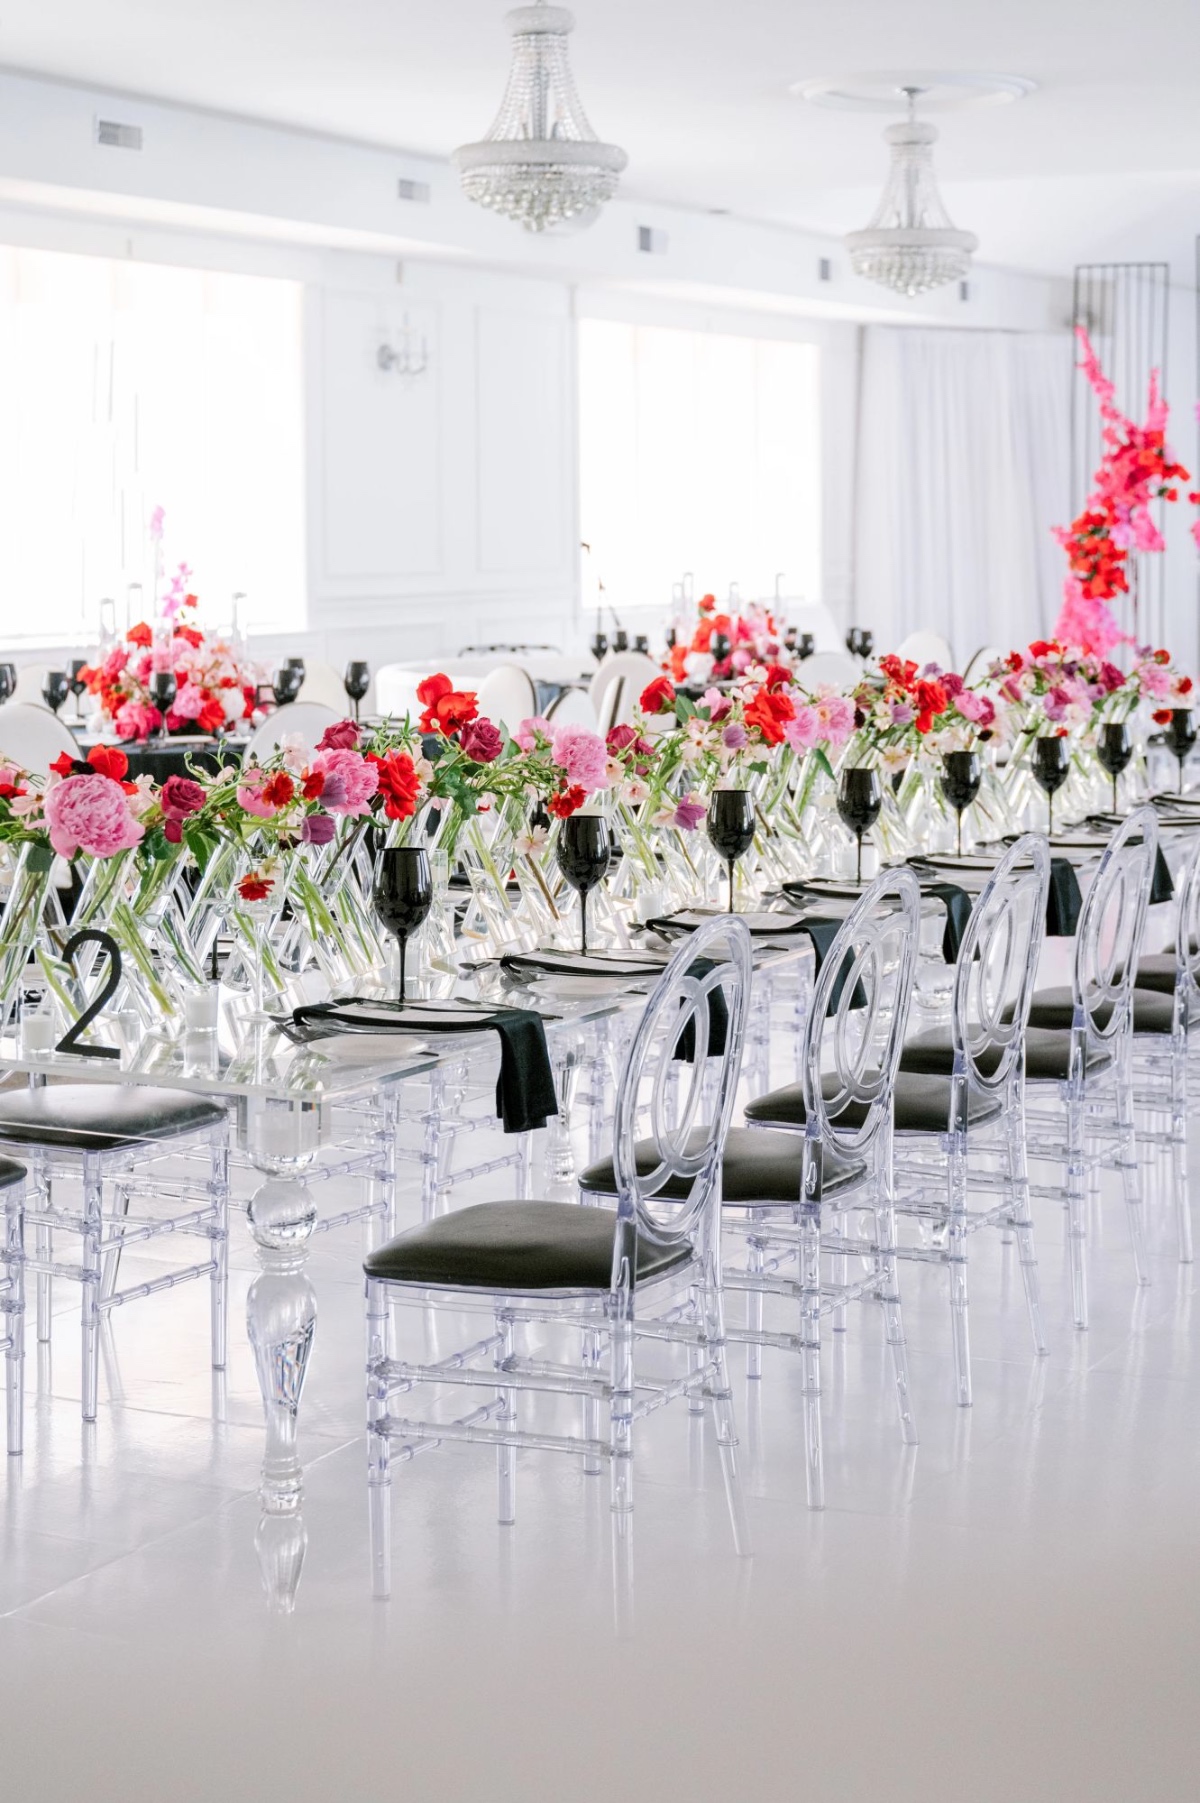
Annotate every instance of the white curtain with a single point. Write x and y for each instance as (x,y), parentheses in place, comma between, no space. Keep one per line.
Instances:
(963,467)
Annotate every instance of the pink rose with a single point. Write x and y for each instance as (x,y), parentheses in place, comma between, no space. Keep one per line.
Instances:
(979,709)
(90,813)
(803,730)
(528,731)
(350,781)
(481,741)
(343,736)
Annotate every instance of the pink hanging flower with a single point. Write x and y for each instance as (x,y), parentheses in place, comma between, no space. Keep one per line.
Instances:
(90,813)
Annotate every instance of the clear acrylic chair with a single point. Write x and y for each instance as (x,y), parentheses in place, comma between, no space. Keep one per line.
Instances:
(12,1298)
(645,1272)
(962,1133)
(115,1142)
(797,1211)
(1095,1021)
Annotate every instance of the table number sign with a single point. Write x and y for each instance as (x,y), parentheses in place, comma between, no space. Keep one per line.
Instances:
(72,1038)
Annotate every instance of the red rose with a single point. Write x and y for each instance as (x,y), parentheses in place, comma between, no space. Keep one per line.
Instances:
(1161,716)
(481,741)
(181,796)
(343,736)
(140,634)
(279,789)
(446,708)
(657,696)
(211,717)
(108,761)
(399,784)
(930,699)
(769,711)
(568,802)
(1185,685)
(776,677)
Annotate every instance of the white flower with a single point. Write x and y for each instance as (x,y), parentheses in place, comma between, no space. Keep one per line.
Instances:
(532,840)
(295,752)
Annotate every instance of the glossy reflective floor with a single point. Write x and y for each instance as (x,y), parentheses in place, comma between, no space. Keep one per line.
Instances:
(1008,1610)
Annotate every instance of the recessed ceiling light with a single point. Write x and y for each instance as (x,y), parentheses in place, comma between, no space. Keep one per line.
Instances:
(942,90)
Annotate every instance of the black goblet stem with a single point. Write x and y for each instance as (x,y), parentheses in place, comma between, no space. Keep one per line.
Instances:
(731,870)
(858,872)
(403,938)
(1179,791)
(1050,813)
(1114,784)
(583,922)
(959,812)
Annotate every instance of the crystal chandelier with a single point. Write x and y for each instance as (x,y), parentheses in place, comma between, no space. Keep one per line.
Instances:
(541,163)
(911,244)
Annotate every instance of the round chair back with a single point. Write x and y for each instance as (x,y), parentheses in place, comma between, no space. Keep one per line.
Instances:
(618,684)
(997,966)
(304,720)
(32,737)
(1108,938)
(699,1003)
(324,686)
(506,696)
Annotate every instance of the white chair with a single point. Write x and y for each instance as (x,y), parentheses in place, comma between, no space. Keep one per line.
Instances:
(572,708)
(923,648)
(31,736)
(323,685)
(982,661)
(507,696)
(305,720)
(30,681)
(829,669)
(814,617)
(618,683)
(396,691)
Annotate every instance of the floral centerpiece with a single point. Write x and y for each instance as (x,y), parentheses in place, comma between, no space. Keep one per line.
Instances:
(753,635)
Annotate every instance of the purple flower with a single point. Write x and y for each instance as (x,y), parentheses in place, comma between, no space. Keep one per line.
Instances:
(902,714)
(690,813)
(734,737)
(318,829)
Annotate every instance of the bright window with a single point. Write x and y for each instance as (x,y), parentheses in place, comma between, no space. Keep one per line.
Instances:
(700,452)
(128,386)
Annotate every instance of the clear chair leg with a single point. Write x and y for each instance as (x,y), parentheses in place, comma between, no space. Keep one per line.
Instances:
(956,1260)
(620,1423)
(893,1319)
(720,1398)
(219,1280)
(591,1355)
(379,1476)
(14,1357)
(1179,1171)
(754,1309)
(810,1340)
(1076,1210)
(1022,1223)
(111,1265)
(1131,1184)
(506,1456)
(43,1245)
(90,1286)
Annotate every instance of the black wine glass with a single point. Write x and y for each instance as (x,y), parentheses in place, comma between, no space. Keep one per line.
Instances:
(620,639)
(853,640)
(1181,736)
(75,670)
(1114,751)
(720,645)
(860,798)
(599,645)
(866,643)
(356,682)
(730,827)
(672,635)
(55,689)
(585,847)
(806,644)
(163,690)
(403,894)
(295,663)
(642,643)
(961,776)
(8,680)
(286,684)
(1051,766)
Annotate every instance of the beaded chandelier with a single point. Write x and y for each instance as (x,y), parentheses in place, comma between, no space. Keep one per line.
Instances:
(911,244)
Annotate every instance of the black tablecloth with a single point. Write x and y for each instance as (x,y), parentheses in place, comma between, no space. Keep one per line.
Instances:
(161,758)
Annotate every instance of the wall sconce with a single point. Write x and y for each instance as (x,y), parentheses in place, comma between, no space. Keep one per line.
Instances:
(408,356)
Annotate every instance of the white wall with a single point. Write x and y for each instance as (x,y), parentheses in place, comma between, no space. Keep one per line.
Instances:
(444,512)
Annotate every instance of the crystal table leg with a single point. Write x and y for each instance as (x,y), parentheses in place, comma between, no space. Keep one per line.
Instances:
(281,1317)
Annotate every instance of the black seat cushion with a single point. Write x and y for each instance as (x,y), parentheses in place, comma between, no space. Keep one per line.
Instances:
(516,1246)
(94,1117)
(921,1103)
(1055,1008)
(1047,1055)
(757,1167)
(10,1172)
(1158,972)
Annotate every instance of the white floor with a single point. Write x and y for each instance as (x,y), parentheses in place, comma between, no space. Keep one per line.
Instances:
(1008,1610)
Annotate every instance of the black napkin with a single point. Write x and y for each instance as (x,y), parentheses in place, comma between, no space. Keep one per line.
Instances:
(525,1095)
(1161,886)
(1063,900)
(718,1018)
(958,912)
(585,964)
(823,931)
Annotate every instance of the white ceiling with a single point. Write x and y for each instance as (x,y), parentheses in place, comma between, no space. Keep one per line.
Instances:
(1104,159)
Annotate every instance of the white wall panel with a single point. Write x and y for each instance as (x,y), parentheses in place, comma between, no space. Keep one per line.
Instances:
(523,448)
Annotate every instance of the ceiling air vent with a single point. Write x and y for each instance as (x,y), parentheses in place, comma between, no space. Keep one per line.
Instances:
(419,191)
(117,136)
(652,240)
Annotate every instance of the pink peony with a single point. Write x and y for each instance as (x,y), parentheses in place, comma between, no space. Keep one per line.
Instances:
(188,702)
(137,720)
(979,709)
(90,813)
(349,778)
(582,754)
(526,734)
(835,714)
(803,730)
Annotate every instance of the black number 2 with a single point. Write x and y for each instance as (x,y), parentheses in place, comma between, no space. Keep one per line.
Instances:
(71,1038)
